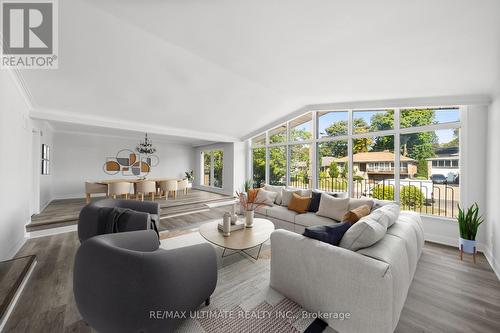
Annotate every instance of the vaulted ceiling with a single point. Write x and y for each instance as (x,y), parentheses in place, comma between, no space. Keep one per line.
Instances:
(218,70)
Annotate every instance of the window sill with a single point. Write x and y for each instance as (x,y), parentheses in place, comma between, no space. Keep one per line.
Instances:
(440,219)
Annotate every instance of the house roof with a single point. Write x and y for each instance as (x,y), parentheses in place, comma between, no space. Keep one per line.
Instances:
(375,156)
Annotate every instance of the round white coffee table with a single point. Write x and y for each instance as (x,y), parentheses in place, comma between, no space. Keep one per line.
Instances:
(239,240)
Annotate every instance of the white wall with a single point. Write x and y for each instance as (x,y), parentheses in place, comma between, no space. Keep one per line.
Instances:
(492,227)
(15,148)
(473,146)
(78,157)
(234,170)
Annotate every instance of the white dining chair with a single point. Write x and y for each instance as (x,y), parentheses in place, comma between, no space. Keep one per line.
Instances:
(169,186)
(119,188)
(182,185)
(145,187)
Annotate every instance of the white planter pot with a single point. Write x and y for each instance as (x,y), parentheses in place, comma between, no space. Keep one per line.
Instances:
(249,218)
(467,245)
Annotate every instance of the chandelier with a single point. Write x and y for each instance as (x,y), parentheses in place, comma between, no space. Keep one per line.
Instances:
(146,146)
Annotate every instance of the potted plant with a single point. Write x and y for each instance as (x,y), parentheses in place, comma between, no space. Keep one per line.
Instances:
(468,222)
(249,206)
(189,176)
(247,185)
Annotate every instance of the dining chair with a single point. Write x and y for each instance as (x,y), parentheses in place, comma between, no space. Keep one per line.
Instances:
(182,185)
(93,188)
(119,188)
(145,187)
(169,186)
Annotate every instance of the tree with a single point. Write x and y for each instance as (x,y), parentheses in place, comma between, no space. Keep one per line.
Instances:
(455,141)
(333,170)
(345,170)
(362,145)
(259,166)
(277,165)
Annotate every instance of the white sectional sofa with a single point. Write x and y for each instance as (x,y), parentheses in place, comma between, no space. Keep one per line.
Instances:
(370,284)
(283,218)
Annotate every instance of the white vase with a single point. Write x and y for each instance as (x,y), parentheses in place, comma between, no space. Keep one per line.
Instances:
(249,218)
(226,225)
(467,245)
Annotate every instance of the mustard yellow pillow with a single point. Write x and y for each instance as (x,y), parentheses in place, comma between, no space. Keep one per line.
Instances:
(354,215)
(299,204)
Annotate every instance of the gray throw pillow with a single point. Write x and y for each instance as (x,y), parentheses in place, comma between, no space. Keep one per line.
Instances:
(332,207)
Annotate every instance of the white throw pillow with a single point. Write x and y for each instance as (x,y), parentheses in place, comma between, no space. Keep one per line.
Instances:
(306,193)
(276,189)
(332,207)
(364,233)
(286,196)
(391,213)
(355,203)
(265,197)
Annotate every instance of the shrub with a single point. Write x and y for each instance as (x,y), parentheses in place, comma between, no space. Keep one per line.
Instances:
(357,178)
(411,196)
(333,170)
(383,192)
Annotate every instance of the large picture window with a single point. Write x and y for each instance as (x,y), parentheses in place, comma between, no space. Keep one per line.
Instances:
(356,151)
(213,167)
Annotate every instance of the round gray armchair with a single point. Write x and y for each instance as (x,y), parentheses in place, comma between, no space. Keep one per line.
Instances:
(122,280)
(90,223)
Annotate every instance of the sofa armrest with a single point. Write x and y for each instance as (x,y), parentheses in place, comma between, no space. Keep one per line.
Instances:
(322,277)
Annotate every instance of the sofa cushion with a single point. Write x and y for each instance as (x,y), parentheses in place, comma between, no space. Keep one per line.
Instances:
(392,250)
(311,219)
(315,199)
(331,234)
(265,197)
(332,207)
(413,219)
(364,233)
(390,212)
(276,189)
(407,233)
(377,203)
(282,213)
(354,215)
(262,210)
(286,195)
(355,203)
(299,204)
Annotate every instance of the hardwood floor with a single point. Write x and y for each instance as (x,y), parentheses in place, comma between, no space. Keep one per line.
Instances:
(65,212)
(447,295)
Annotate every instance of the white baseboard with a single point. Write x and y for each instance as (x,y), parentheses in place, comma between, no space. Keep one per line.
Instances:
(70,196)
(16,296)
(52,231)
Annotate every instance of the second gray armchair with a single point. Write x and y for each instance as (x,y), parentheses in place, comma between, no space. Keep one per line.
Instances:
(121,280)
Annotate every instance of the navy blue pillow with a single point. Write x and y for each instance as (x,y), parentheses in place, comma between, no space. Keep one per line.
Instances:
(331,234)
(315,199)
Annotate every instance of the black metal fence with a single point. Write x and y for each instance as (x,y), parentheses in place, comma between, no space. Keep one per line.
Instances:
(422,196)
